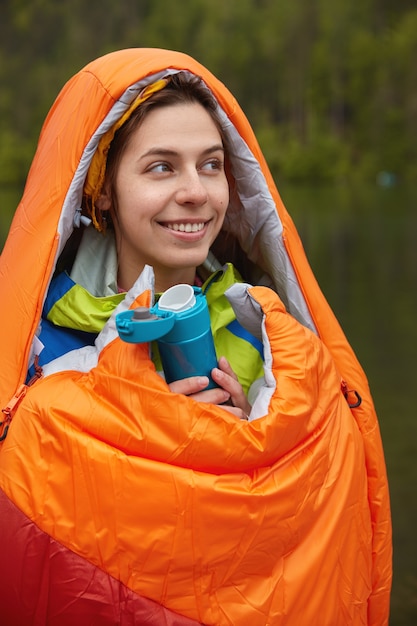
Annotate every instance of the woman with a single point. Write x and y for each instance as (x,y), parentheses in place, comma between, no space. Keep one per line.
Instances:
(124,500)
(159,175)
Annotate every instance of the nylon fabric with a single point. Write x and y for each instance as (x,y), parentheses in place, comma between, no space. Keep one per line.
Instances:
(55,600)
(72,306)
(130,537)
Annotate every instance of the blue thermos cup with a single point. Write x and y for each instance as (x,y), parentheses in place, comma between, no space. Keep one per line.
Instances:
(180,323)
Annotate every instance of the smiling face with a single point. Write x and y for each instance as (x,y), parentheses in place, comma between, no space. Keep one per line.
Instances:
(172,195)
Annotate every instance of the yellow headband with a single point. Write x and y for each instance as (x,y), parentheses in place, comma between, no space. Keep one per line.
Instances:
(97,170)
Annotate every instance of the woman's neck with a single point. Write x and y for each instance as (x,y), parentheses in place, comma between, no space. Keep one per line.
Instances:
(163,279)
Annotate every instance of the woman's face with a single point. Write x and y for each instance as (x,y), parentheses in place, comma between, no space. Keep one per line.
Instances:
(172,195)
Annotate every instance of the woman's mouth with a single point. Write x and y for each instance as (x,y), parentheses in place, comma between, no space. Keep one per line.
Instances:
(186,227)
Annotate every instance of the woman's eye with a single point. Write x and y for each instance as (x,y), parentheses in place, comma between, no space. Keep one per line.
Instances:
(159,168)
(212,165)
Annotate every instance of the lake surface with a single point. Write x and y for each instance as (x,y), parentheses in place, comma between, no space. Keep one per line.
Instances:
(362,245)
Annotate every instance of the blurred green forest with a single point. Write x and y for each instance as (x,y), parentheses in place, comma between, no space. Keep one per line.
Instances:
(330,87)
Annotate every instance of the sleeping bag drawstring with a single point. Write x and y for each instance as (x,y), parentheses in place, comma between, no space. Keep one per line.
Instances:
(12,405)
(346,392)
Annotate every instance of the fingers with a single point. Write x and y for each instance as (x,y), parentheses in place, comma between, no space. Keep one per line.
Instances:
(225,367)
(236,411)
(195,387)
(229,390)
(225,377)
(188,386)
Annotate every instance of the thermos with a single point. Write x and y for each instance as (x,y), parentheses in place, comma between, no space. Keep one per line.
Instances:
(180,323)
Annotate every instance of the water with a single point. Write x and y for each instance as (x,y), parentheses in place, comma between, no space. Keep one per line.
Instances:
(361,243)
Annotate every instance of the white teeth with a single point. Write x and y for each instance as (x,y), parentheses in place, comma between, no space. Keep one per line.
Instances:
(187,228)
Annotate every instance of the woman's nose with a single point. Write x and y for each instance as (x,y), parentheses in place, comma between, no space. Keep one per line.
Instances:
(191,189)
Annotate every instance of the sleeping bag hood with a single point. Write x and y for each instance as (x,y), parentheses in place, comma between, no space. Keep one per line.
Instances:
(124,503)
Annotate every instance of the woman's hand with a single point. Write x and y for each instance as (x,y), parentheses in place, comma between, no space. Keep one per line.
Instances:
(229,390)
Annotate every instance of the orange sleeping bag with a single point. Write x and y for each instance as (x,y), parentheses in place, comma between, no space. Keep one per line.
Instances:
(123,503)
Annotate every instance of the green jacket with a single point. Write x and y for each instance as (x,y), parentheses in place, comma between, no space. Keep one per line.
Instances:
(74,314)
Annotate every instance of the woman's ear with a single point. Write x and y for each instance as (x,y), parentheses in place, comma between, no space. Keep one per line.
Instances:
(103,202)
